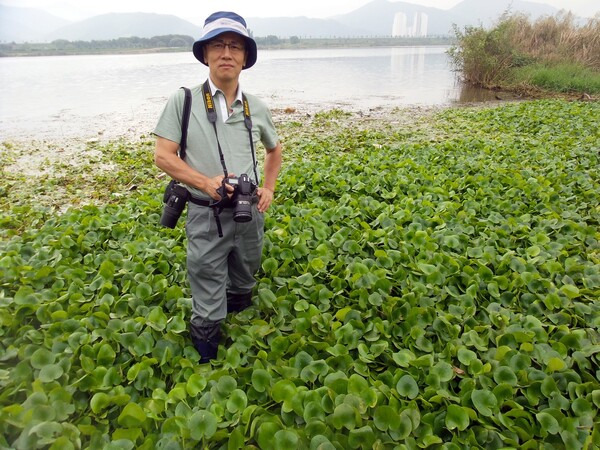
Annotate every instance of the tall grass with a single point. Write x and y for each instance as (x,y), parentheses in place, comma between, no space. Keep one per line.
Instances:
(564,78)
(552,53)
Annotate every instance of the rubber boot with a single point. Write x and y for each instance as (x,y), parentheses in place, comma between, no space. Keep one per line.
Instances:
(238,302)
(205,337)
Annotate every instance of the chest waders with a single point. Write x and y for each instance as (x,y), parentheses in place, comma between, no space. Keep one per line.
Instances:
(206,334)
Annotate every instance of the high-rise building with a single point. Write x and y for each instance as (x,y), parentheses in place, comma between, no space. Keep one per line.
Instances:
(420,25)
(400,28)
(418,28)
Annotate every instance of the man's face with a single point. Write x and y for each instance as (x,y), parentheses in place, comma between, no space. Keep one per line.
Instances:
(225,56)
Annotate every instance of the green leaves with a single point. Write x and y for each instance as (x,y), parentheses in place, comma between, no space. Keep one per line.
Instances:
(548,423)
(485,402)
(195,384)
(132,416)
(50,373)
(284,391)
(407,387)
(202,425)
(419,287)
(285,439)
(261,380)
(106,355)
(345,416)
(237,401)
(359,387)
(386,418)
(506,375)
(41,358)
(457,417)
(99,402)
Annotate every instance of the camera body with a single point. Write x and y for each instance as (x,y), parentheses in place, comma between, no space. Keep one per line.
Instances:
(243,197)
(175,198)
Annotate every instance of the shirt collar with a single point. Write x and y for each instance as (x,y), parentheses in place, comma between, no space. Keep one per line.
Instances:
(214,89)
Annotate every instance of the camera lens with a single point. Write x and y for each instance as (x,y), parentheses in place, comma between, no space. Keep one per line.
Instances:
(243,197)
(242,211)
(171,212)
(175,199)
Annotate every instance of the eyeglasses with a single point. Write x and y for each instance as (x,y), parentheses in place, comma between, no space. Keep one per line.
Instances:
(219,46)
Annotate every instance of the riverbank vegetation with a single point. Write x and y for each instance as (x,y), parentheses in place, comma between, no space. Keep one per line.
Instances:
(552,54)
(181,43)
(426,282)
(167,43)
(294,42)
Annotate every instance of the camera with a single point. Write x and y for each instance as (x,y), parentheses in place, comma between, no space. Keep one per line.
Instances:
(175,197)
(244,195)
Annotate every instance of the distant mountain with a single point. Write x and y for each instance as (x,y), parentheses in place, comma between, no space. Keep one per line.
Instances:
(300,26)
(113,25)
(26,24)
(377,17)
(373,19)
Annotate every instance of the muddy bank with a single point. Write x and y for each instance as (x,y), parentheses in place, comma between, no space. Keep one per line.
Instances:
(46,152)
(58,172)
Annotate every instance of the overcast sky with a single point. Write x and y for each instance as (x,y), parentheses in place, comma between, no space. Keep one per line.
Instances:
(197,11)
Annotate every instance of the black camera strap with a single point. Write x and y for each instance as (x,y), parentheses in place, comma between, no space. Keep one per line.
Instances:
(176,195)
(248,123)
(211,113)
(185,120)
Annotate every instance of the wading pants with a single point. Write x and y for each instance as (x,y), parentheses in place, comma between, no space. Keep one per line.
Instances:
(220,270)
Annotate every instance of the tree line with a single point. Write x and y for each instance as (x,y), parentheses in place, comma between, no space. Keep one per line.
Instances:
(63,46)
(178,42)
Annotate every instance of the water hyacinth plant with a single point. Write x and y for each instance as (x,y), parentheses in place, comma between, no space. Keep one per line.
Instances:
(421,287)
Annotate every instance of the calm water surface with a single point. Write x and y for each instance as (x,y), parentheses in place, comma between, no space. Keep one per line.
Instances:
(82,96)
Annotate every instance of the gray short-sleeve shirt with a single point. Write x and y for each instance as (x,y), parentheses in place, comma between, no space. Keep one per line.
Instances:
(202,152)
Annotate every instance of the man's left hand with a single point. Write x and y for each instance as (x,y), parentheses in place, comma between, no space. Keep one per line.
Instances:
(265,198)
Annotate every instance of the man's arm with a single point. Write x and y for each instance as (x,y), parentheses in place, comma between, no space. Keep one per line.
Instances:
(272,166)
(166,158)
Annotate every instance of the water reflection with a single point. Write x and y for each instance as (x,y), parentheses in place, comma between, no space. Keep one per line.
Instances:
(408,61)
(85,95)
(473,94)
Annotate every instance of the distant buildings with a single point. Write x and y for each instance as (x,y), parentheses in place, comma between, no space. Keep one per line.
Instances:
(402,27)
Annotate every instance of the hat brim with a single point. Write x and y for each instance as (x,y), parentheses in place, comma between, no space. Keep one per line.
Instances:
(251,51)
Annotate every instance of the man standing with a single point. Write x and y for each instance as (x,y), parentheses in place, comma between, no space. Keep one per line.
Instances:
(223,254)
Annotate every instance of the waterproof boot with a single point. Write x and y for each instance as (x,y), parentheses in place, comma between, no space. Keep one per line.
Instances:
(238,302)
(205,337)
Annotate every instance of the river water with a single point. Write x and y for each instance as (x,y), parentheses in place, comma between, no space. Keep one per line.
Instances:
(85,96)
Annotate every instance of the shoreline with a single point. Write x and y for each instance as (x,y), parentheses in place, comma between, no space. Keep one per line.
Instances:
(51,175)
(39,155)
(304,44)
(58,173)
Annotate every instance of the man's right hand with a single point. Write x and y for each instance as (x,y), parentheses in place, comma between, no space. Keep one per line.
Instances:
(213,184)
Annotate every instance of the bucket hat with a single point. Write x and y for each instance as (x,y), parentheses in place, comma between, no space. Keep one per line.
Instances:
(223,22)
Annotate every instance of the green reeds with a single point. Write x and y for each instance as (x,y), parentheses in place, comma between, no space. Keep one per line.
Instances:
(564,78)
(553,53)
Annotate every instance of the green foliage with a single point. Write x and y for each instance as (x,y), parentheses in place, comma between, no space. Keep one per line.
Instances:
(484,56)
(268,40)
(416,291)
(554,54)
(560,78)
(63,46)
(171,42)
(102,173)
(180,43)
